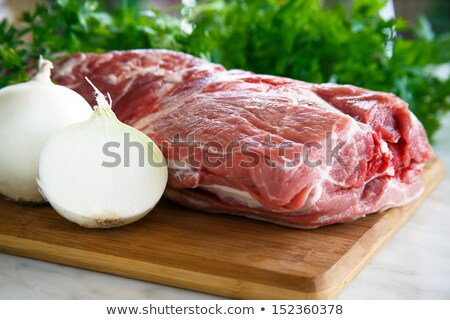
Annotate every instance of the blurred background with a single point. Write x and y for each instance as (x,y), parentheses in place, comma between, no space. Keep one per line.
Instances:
(438,11)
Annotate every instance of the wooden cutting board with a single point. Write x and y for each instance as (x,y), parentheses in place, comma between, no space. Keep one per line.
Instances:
(219,254)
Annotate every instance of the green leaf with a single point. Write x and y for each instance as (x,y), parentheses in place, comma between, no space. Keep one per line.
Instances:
(424,30)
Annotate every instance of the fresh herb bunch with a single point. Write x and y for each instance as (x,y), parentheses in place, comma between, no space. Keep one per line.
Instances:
(300,39)
(62,27)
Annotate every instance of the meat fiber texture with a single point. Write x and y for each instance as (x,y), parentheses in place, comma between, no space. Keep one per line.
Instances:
(265,147)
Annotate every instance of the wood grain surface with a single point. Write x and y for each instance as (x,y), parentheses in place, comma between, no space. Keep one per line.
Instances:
(218,254)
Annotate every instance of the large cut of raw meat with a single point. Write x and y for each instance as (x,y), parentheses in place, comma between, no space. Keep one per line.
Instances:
(265,147)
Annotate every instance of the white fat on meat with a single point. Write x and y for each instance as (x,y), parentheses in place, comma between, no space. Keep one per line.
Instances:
(67,68)
(226,193)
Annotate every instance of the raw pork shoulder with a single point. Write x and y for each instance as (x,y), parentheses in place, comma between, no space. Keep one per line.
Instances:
(265,147)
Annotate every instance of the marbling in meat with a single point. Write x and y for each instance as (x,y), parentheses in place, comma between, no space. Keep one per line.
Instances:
(265,147)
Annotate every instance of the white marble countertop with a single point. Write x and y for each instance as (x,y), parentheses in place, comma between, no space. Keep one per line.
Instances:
(415,264)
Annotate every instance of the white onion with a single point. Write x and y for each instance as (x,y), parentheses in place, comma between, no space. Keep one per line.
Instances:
(30,113)
(78,185)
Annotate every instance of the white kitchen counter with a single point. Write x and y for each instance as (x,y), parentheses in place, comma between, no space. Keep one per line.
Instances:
(415,264)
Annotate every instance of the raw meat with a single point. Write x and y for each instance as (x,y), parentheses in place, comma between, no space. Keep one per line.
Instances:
(265,147)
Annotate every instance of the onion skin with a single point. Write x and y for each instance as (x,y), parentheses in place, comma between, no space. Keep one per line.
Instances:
(109,221)
(30,113)
(81,188)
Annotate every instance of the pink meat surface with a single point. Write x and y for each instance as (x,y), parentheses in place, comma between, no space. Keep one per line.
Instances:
(265,147)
